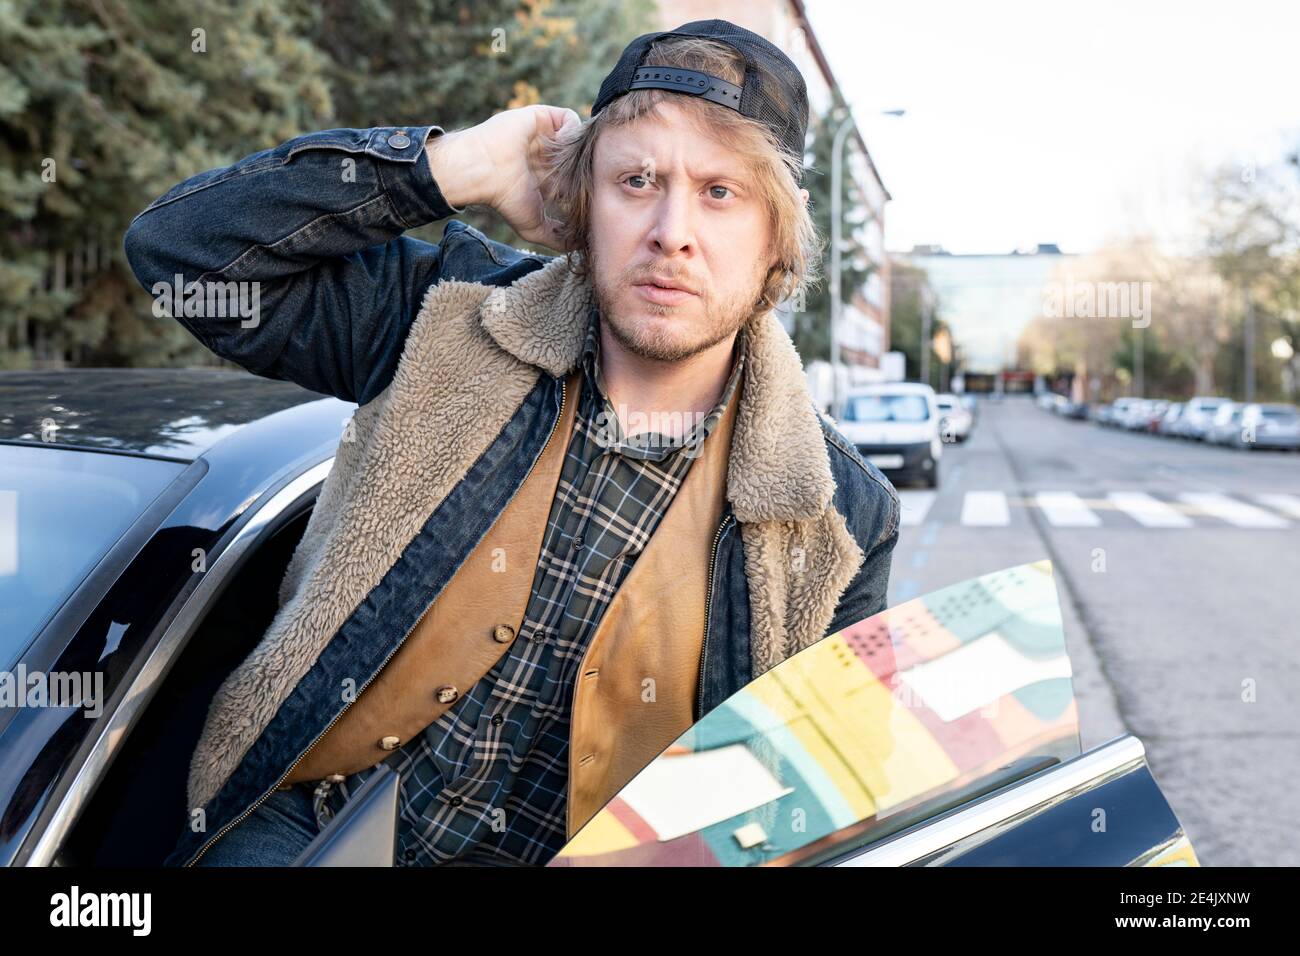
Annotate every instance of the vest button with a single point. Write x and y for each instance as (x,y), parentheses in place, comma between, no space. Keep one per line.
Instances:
(446,694)
(503,633)
(389,743)
(399,140)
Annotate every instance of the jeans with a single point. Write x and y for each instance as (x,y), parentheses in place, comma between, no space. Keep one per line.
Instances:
(272,835)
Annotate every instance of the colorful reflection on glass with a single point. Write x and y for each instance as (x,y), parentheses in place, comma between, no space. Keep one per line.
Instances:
(885,723)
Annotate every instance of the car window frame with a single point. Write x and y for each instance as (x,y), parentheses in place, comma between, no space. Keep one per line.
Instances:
(1003,808)
(279,504)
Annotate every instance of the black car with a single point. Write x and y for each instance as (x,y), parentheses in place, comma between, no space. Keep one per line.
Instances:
(146,521)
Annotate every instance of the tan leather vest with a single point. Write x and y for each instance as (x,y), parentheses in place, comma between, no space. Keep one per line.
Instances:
(636,687)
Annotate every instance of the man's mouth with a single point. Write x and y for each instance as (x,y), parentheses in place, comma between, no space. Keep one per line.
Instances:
(664,291)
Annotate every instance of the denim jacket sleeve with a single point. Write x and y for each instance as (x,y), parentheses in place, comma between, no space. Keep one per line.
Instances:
(311,232)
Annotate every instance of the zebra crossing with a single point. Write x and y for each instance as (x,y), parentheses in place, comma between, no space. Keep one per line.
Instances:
(1067,509)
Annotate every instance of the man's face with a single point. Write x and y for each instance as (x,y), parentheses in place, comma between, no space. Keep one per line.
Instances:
(670,203)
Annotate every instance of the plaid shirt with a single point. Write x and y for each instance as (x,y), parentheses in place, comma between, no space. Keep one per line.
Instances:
(487,782)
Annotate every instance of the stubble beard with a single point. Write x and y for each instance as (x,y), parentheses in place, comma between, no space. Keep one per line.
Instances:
(722,319)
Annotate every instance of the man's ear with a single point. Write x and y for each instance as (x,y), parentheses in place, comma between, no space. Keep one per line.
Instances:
(803,196)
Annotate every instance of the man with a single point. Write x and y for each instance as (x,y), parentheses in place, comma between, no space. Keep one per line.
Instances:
(584,498)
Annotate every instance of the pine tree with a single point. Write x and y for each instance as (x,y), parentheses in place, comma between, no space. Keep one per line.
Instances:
(107,104)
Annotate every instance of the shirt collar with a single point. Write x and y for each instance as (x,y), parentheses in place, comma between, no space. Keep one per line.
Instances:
(652,445)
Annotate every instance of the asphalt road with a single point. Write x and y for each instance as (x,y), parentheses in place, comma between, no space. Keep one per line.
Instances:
(1178,565)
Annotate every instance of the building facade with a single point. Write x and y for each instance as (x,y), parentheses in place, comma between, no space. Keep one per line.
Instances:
(988,300)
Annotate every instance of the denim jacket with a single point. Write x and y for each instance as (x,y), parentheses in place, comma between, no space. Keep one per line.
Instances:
(317,222)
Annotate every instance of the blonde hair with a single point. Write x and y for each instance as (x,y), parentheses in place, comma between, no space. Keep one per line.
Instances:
(568,176)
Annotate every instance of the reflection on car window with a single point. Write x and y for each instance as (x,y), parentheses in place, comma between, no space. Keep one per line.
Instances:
(60,512)
(886,408)
(884,724)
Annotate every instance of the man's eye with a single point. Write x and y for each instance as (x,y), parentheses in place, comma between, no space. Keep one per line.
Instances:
(727,188)
(635,176)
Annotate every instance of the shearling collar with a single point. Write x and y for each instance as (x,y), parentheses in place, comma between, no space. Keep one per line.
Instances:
(779,468)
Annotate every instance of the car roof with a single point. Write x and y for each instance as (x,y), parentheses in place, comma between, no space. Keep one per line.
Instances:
(175,413)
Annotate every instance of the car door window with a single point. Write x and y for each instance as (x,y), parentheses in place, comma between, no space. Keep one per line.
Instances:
(882,725)
(60,512)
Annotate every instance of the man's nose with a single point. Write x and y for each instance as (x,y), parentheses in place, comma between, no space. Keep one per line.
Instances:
(674,225)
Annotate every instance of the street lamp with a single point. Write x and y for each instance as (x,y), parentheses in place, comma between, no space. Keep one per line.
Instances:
(837,173)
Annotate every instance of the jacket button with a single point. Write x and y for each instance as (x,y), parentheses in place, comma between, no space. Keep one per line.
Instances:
(399,141)
(389,743)
(446,694)
(503,633)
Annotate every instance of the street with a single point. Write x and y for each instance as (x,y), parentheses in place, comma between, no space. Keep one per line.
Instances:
(1176,564)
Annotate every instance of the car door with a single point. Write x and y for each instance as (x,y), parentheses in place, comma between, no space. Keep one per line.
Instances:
(943,731)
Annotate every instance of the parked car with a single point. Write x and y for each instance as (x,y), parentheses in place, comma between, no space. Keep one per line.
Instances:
(1120,411)
(1137,415)
(1198,415)
(1168,423)
(955,422)
(895,425)
(1127,412)
(1142,413)
(1225,427)
(941,732)
(154,513)
(1269,426)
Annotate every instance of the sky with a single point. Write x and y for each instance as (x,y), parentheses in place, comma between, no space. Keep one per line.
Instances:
(1060,121)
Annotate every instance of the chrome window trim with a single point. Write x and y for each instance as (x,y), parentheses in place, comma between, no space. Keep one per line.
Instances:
(117,726)
(1112,759)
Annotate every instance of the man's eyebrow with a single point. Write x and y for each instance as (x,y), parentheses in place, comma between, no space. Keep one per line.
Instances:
(629,160)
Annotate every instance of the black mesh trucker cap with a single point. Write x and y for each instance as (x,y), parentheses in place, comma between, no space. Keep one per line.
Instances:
(773,91)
